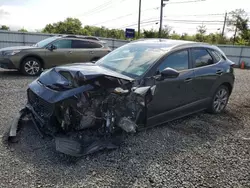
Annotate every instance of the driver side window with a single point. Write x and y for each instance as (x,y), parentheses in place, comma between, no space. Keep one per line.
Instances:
(177,60)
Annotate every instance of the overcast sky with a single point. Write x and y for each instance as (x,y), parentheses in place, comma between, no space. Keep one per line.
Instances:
(182,17)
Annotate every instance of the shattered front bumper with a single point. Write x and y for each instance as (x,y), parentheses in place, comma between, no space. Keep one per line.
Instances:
(63,143)
(15,124)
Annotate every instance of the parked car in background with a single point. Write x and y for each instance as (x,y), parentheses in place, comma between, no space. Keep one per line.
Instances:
(51,52)
(141,84)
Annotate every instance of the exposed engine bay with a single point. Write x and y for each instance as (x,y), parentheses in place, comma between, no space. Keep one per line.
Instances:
(91,119)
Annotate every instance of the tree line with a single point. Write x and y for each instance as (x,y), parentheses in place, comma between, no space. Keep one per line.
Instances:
(237,22)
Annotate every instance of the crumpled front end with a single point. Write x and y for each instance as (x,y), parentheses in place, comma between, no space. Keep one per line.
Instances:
(90,115)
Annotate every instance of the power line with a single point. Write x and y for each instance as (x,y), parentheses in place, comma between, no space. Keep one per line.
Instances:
(195,15)
(97,8)
(151,20)
(101,8)
(206,22)
(198,15)
(124,16)
(105,6)
(180,2)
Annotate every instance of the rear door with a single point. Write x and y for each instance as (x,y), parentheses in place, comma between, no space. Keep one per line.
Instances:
(97,50)
(80,52)
(60,55)
(86,51)
(206,72)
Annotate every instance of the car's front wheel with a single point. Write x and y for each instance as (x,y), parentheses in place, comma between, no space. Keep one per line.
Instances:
(31,66)
(219,100)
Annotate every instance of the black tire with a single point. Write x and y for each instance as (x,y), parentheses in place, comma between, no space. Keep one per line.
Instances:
(34,64)
(219,100)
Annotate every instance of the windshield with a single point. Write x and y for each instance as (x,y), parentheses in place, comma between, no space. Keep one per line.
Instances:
(133,59)
(45,42)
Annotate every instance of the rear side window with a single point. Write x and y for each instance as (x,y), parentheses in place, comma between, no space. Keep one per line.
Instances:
(85,44)
(201,57)
(176,60)
(63,43)
(216,55)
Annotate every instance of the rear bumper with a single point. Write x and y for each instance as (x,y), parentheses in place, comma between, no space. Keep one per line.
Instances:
(6,63)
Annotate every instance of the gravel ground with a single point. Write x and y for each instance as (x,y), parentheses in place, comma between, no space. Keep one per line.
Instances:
(198,151)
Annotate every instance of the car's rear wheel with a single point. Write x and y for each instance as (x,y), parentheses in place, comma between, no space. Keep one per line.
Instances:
(31,66)
(219,100)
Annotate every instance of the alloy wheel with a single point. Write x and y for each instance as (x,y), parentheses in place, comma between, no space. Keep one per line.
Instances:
(220,100)
(32,67)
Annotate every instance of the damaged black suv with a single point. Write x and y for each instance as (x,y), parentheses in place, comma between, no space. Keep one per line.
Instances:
(87,107)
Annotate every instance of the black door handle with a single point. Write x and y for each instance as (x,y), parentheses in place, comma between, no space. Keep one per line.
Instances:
(219,72)
(188,80)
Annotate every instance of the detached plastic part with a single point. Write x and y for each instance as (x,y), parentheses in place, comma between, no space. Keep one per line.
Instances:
(76,148)
(15,124)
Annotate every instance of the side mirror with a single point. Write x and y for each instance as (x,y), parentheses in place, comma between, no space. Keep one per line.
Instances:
(51,47)
(169,73)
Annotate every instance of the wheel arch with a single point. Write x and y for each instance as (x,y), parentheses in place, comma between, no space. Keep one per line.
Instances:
(32,56)
(229,86)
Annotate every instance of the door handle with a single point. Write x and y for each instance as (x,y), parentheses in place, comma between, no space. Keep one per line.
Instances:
(219,72)
(91,52)
(188,80)
(70,52)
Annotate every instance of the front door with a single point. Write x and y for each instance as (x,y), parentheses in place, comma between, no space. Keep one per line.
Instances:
(60,55)
(173,93)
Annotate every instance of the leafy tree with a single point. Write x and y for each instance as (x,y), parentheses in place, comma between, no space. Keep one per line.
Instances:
(22,30)
(185,36)
(175,36)
(165,33)
(4,27)
(238,22)
(201,29)
(68,26)
(237,19)
(150,33)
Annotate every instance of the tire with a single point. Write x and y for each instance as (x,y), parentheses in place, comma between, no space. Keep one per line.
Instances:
(219,100)
(31,66)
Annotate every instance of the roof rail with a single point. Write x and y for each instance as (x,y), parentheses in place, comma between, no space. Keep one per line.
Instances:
(81,37)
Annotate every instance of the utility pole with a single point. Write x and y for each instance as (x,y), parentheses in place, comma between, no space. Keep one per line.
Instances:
(161,15)
(224,25)
(139,20)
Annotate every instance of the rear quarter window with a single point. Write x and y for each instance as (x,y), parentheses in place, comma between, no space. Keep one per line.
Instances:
(217,56)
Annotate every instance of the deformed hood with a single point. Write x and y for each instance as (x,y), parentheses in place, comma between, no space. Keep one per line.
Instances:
(83,71)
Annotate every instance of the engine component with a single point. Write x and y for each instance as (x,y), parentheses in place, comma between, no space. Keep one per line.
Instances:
(127,125)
